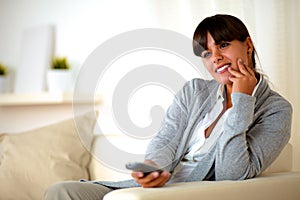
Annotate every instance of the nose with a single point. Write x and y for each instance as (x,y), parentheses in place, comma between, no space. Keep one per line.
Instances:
(216,56)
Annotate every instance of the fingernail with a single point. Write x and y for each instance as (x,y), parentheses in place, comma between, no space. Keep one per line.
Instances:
(156,174)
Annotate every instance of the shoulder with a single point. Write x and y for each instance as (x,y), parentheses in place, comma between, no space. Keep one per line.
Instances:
(271,100)
(196,89)
(275,104)
(272,105)
(197,85)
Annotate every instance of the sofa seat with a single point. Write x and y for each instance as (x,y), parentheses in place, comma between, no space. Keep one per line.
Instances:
(274,186)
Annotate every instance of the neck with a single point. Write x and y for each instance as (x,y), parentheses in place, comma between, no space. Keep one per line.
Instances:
(228,88)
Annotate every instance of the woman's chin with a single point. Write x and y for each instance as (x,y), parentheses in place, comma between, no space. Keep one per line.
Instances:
(224,81)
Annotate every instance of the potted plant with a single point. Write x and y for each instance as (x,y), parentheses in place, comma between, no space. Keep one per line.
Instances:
(60,63)
(59,77)
(3,78)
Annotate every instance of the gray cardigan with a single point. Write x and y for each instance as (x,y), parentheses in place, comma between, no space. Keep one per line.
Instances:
(256,130)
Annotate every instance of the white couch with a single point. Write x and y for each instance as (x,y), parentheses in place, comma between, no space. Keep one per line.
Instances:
(277,183)
(33,160)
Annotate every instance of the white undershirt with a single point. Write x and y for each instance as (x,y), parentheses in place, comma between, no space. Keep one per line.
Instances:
(198,144)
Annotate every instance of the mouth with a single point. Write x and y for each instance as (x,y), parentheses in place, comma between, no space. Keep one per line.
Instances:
(222,68)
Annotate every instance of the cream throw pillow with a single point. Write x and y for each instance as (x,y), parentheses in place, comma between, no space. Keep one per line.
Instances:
(32,161)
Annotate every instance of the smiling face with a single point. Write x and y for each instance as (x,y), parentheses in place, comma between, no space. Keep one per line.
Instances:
(221,40)
(217,58)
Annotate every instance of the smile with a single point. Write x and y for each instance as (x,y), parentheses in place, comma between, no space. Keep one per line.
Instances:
(222,69)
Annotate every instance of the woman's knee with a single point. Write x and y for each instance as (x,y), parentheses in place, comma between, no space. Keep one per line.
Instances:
(76,191)
(62,191)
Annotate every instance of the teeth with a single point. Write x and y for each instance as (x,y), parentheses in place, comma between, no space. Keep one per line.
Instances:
(222,68)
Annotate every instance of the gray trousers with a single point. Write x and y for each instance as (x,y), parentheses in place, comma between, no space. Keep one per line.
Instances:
(75,190)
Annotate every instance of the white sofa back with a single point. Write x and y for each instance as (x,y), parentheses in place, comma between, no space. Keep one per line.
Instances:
(104,153)
(99,169)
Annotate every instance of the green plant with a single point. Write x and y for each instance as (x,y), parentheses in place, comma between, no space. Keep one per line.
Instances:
(3,70)
(60,63)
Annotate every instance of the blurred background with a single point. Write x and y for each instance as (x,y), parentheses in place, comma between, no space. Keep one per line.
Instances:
(76,27)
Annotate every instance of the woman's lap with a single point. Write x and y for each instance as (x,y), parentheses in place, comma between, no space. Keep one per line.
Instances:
(76,190)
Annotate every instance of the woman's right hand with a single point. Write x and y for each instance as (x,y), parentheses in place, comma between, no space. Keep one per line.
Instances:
(154,179)
(244,80)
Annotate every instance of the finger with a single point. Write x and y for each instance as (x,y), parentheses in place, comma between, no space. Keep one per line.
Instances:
(166,176)
(163,178)
(235,73)
(232,79)
(243,67)
(251,71)
(247,70)
(137,175)
(149,178)
(159,181)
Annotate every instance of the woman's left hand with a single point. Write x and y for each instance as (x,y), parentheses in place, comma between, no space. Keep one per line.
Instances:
(243,79)
(154,179)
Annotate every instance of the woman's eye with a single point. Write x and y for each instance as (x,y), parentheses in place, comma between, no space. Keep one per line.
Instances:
(206,54)
(224,44)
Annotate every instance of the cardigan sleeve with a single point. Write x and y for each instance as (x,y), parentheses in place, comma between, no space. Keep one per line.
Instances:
(252,141)
(163,148)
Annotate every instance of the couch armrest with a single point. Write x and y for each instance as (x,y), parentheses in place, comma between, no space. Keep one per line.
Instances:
(275,186)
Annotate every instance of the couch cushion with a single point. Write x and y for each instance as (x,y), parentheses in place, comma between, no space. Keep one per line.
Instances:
(277,186)
(107,163)
(283,163)
(33,160)
(101,170)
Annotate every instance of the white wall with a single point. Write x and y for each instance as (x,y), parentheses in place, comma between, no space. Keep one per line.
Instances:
(82,25)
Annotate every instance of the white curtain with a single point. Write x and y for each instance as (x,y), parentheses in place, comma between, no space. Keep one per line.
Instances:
(278,43)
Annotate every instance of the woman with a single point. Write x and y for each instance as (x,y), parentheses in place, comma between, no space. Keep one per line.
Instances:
(229,128)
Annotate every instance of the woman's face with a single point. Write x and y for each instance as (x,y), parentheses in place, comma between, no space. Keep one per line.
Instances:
(218,58)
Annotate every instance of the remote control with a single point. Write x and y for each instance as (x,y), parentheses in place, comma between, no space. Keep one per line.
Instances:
(142,167)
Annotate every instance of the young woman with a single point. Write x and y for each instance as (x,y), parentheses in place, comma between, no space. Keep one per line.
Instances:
(229,128)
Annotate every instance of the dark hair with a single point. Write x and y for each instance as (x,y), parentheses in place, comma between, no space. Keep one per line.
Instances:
(221,28)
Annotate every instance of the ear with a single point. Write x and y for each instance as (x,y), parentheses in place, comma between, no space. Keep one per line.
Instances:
(250,49)
(249,44)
